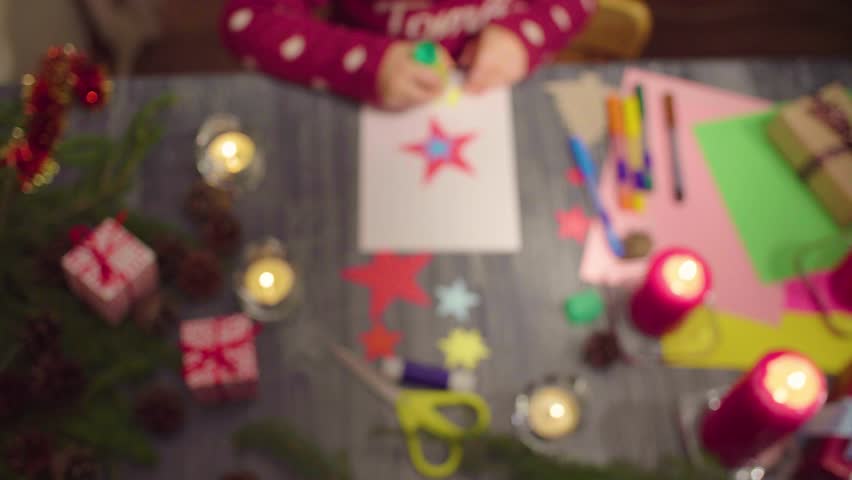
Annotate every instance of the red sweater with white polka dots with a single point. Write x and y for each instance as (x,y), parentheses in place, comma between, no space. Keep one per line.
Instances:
(283,38)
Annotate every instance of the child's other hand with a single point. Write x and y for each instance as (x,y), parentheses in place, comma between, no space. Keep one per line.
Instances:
(403,82)
(496,58)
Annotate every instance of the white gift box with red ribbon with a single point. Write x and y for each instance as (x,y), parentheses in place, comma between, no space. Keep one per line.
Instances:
(219,357)
(110,269)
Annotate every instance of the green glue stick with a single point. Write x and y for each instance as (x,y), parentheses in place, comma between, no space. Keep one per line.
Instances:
(426,53)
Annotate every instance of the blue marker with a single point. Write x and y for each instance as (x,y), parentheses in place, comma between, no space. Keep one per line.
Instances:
(584,162)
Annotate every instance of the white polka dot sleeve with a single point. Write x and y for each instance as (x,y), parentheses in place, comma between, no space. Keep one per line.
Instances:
(281,37)
(547,25)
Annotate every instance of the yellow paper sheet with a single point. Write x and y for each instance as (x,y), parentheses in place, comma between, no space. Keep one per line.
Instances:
(742,342)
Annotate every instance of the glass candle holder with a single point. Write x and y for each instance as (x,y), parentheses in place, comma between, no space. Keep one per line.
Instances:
(227,156)
(676,285)
(268,286)
(549,411)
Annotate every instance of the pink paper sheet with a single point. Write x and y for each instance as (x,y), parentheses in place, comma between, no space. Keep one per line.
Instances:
(701,222)
(797,296)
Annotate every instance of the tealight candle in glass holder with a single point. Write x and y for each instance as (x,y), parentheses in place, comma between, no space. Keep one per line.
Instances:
(548,411)
(267,285)
(228,157)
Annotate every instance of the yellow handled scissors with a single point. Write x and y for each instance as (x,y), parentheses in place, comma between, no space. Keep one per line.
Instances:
(417,411)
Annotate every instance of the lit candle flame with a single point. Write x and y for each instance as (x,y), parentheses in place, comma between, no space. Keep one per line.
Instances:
(792,382)
(557,410)
(684,276)
(229,148)
(266,279)
(688,270)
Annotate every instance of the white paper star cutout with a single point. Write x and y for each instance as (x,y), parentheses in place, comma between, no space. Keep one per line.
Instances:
(456,300)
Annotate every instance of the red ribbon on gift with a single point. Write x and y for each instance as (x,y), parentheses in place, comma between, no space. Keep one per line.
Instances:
(81,235)
(217,353)
(834,118)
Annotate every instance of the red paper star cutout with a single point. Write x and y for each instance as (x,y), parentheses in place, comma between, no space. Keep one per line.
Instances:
(574,176)
(379,342)
(573,224)
(441,149)
(390,277)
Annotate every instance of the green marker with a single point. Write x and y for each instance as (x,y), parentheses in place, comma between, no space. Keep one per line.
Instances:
(641,98)
(426,53)
(647,177)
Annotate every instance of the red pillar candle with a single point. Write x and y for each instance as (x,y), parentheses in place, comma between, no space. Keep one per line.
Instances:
(767,404)
(676,282)
(840,282)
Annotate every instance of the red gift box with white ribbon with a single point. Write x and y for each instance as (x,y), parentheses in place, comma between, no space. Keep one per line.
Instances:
(110,269)
(219,357)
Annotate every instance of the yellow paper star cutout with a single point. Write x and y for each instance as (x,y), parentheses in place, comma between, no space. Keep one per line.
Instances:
(463,348)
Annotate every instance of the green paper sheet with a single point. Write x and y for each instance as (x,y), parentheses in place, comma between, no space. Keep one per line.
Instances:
(773,211)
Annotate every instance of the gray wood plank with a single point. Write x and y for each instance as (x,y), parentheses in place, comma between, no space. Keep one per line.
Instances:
(308,199)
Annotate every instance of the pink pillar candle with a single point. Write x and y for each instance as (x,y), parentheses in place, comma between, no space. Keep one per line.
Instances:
(840,282)
(766,405)
(676,282)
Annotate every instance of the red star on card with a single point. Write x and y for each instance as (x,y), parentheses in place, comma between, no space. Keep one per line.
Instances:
(574,176)
(379,342)
(440,150)
(573,224)
(390,277)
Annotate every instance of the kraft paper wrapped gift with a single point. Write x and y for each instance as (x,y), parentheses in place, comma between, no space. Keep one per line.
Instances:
(219,358)
(814,134)
(110,269)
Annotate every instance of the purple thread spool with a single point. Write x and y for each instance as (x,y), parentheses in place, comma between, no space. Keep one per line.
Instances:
(420,375)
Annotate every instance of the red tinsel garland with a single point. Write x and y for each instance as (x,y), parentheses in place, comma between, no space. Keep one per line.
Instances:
(64,74)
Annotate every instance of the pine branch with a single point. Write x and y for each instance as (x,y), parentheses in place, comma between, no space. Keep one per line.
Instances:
(504,453)
(109,427)
(283,443)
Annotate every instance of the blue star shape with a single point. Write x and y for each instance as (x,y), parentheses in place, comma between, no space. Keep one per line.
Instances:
(456,300)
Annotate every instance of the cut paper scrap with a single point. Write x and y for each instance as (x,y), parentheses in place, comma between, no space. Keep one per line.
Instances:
(580,104)
(743,342)
(455,211)
(379,342)
(573,224)
(456,300)
(441,150)
(772,208)
(463,348)
(390,277)
(701,222)
(798,297)
(574,176)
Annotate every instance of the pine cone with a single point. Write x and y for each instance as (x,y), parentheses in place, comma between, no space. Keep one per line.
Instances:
(170,251)
(154,313)
(221,232)
(601,350)
(241,475)
(76,464)
(14,395)
(200,275)
(29,454)
(56,379)
(204,201)
(160,410)
(49,261)
(41,335)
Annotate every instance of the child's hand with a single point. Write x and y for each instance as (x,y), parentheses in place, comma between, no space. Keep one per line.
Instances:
(496,58)
(403,82)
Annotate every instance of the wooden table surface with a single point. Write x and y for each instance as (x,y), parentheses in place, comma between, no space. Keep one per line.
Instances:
(308,199)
